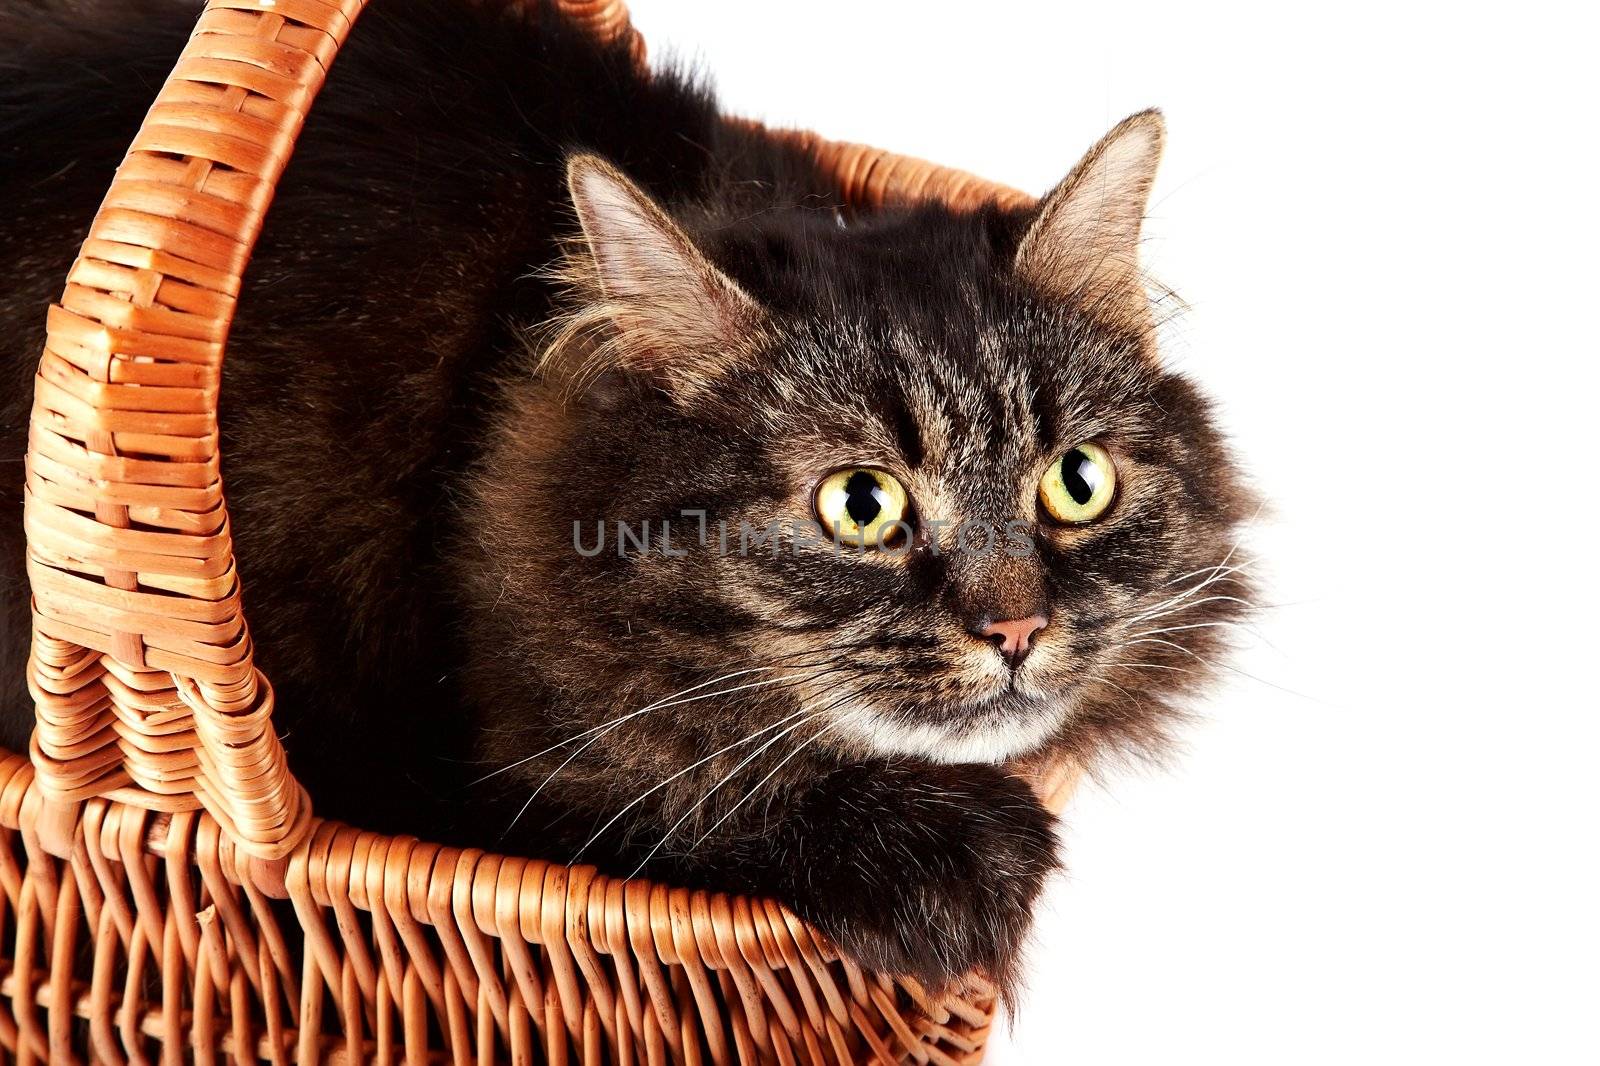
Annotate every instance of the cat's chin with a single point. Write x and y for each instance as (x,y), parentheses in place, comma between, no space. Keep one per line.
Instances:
(988,731)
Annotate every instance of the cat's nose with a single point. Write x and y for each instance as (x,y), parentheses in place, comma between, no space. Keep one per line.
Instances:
(1012,637)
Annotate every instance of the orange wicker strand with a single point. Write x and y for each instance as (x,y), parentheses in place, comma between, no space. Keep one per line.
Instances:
(872,177)
(158,824)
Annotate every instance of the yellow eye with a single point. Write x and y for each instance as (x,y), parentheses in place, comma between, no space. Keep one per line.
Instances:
(1078,486)
(861,506)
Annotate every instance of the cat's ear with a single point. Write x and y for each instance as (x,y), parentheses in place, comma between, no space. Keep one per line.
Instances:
(1083,243)
(676,316)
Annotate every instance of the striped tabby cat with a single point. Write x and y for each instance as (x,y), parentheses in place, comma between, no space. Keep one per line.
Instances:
(609,489)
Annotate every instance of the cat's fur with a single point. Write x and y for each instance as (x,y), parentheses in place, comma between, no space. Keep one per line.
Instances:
(439,366)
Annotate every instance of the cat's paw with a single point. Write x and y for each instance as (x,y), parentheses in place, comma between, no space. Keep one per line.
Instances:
(929,873)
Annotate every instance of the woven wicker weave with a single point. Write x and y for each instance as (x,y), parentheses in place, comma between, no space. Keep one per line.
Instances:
(146,847)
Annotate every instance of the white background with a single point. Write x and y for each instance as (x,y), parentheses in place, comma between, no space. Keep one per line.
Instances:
(1384,220)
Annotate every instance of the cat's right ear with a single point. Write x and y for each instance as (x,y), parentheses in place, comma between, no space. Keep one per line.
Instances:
(1083,244)
(676,317)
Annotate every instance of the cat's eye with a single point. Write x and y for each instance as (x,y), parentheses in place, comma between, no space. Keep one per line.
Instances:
(861,506)
(1078,486)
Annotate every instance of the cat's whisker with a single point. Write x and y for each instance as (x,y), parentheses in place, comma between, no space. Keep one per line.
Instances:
(1151,666)
(1098,679)
(1164,643)
(757,753)
(1220,566)
(605,730)
(730,774)
(841,649)
(616,723)
(1173,601)
(849,645)
(773,772)
(1240,568)
(1194,625)
(1222,666)
(677,703)
(1191,605)
(667,781)
(1254,631)
(602,725)
(665,701)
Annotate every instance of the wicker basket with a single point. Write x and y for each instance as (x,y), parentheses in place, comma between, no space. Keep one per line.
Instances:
(164,889)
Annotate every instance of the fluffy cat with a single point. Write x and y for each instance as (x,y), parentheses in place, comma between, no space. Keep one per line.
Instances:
(514,293)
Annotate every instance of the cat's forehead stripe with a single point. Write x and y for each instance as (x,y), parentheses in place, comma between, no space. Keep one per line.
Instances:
(966,408)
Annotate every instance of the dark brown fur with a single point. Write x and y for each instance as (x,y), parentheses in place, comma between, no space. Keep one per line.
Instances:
(406,457)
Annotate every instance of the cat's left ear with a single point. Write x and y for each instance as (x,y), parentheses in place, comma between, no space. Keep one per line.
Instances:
(677,317)
(1083,243)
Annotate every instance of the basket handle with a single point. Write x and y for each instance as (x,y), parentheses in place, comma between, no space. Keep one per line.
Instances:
(142,673)
(141,666)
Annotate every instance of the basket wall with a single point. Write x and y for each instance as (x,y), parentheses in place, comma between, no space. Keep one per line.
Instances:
(160,941)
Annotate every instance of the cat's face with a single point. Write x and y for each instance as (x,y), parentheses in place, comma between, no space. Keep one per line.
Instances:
(1027,485)
(932,485)
(954,442)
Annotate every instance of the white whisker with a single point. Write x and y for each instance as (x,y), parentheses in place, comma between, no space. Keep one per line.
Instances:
(1165,643)
(667,781)
(742,764)
(1209,570)
(713,789)
(1096,678)
(615,723)
(1191,605)
(1192,625)
(1158,609)
(1152,666)
(1245,627)
(1216,571)
(770,773)
(666,701)
(1216,666)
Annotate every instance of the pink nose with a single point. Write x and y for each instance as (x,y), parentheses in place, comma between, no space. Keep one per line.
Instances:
(1013,637)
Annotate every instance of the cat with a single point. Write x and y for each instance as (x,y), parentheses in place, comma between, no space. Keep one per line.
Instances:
(606,488)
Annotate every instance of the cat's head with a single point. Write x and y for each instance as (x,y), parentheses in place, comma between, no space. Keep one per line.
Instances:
(925,474)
